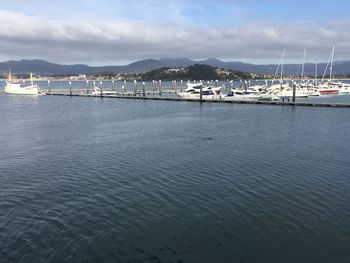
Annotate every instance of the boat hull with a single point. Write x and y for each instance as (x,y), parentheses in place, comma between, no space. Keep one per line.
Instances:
(22,91)
(197,97)
(105,93)
(329,92)
(242,98)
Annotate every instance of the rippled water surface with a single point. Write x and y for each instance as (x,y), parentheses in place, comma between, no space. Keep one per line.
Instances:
(107,180)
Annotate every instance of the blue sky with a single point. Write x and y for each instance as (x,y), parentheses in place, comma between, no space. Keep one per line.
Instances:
(201,13)
(117,32)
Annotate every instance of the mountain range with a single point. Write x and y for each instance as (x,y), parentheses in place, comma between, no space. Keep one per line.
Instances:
(43,67)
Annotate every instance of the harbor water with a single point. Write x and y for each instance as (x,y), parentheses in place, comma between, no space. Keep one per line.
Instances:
(114,180)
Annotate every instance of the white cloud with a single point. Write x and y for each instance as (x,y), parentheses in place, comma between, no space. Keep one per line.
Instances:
(100,42)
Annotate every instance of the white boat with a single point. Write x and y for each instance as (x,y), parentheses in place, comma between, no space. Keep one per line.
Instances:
(310,87)
(258,88)
(268,97)
(344,89)
(313,91)
(194,85)
(288,93)
(18,87)
(328,89)
(241,95)
(272,91)
(98,92)
(194,91)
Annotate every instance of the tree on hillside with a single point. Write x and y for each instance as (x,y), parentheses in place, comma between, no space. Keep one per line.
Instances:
(199,71)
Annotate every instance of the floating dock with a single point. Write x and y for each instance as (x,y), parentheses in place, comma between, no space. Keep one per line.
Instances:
(158,96)
(165,98)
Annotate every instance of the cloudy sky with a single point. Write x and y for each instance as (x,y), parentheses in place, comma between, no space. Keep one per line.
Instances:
(99,32)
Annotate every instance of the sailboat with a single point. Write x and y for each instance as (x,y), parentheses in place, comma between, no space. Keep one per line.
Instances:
(273,90)
(328,88)
(18,87)
(303,89)
(312,88)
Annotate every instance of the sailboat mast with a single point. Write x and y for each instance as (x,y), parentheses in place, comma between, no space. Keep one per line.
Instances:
(283,55)
(31,79)
(326,68)
(277,69)
(9,79)
(302,67)
(315,82)
(331,68)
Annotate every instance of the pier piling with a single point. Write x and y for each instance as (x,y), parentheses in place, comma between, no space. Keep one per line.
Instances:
(49,85)
(70,88)
(160,87)
(294,89)
(143,89)
(135,85)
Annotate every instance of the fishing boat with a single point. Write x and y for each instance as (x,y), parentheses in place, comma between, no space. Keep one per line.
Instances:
(19,88)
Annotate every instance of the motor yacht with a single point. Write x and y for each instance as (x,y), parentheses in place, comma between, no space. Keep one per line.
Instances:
(242,95)
(198,90)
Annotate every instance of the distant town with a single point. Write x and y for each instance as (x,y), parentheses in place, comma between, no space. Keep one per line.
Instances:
(194,72)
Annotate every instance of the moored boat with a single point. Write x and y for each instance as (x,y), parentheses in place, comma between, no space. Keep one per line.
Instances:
(19,88)
(241,95)
(288,93)
(98,92)
(328,89)
(198,91)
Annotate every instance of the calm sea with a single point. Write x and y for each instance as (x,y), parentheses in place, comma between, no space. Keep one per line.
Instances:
(108,180)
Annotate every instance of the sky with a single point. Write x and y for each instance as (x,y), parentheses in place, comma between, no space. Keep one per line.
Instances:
(106,32)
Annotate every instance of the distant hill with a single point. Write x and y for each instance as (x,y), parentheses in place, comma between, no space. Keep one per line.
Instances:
(195,72)
(47,68)
(40,67)
(176,62)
